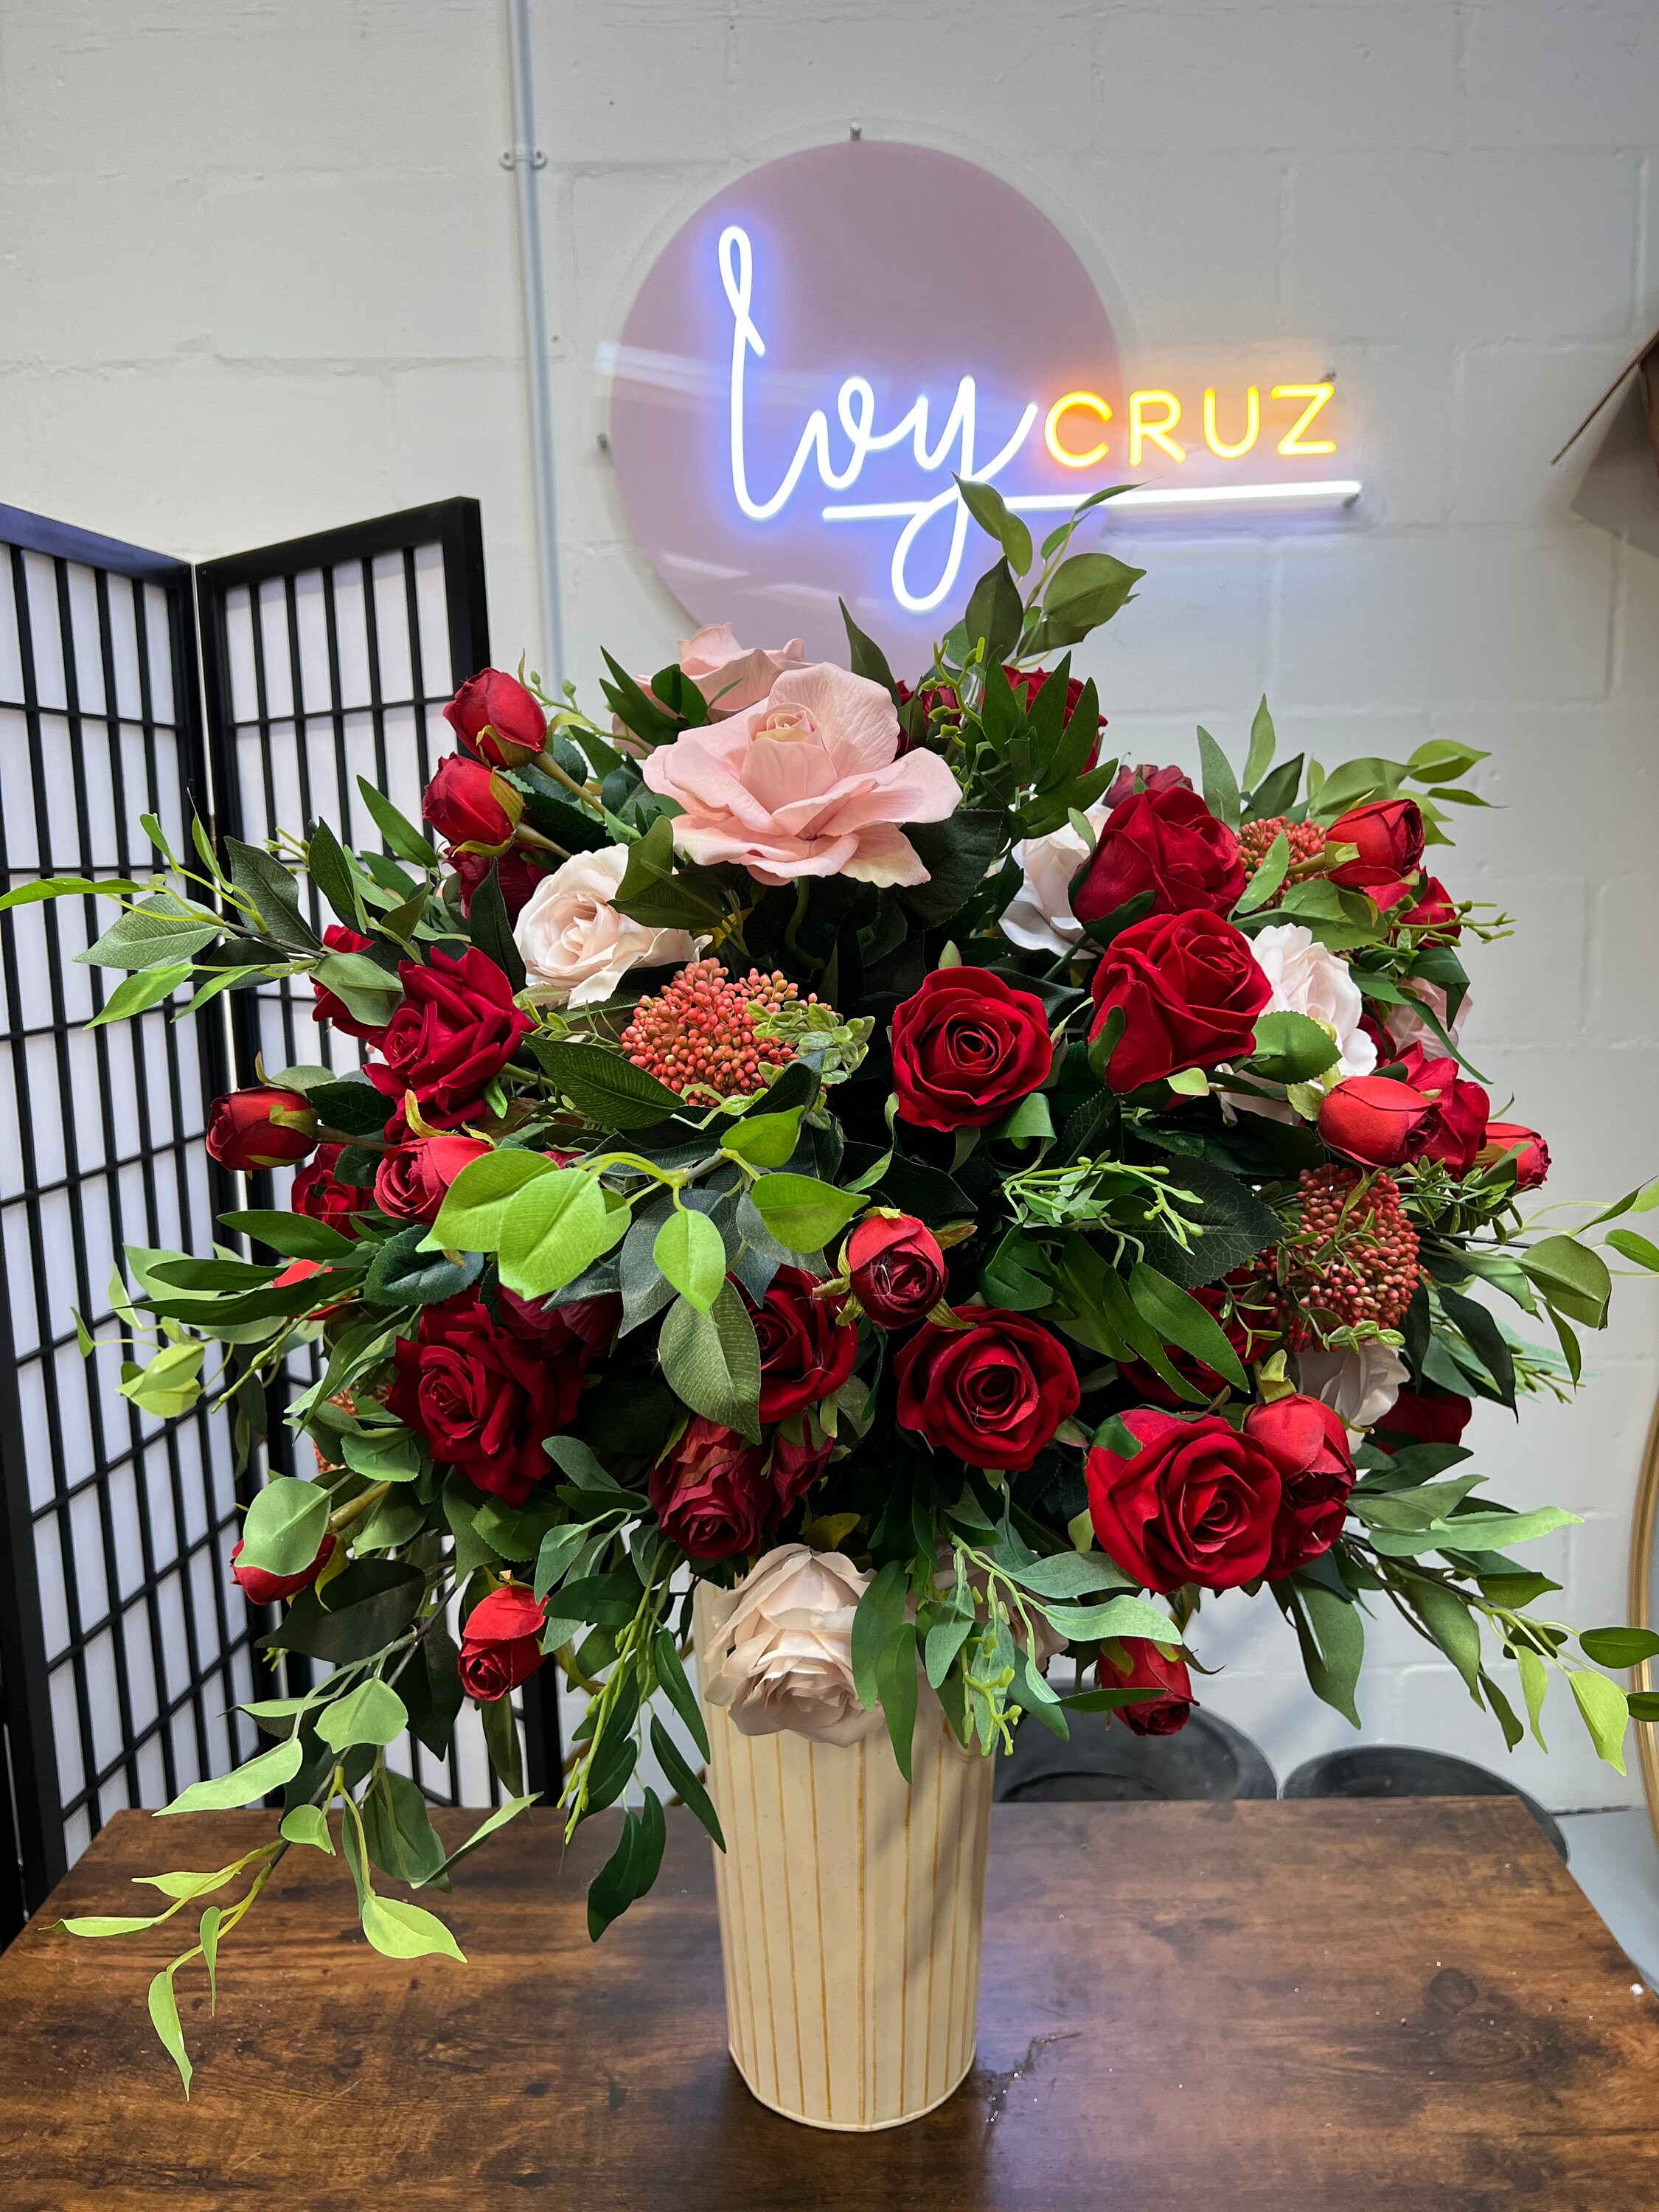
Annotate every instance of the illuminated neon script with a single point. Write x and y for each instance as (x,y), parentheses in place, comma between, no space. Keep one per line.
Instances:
(1153,418)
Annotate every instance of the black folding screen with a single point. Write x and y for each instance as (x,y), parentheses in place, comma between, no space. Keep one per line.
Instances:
(125,1647)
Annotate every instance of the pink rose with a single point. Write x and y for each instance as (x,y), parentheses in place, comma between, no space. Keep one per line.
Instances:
(732,676)
(807,783)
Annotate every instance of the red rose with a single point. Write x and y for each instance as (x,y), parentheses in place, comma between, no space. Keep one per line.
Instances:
(711,1494)
(1532,1154)
(462,802)
(260,1128)
(318,1192)
(1190,989)
(1373,1119)
(483,1397)
(453,1034)
(501,1643)
(1248,1317)
(1169,843)
(806,1353)
(1309,1445)
(895,1268)
(262,1588)
(1149,778)
(796,1467)
(1389,833)
(1431,908)
(326,1006)
(1422,1416)
(1196,1504)
(517,874)
(497,719)
(1457,1128)
(966,1047)
(994,1392)
(1149,1670)
(412,1179)
(584,1328)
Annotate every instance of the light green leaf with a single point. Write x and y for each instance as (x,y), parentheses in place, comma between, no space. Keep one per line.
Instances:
(257,1779)
(1122,1616)
(503,1812)
(1535,1685)
(556,1227)
(170,1384)
(163,931)
(106,1924)
(470,1218)
(139,992)
(1268,878)
(306,1825)
(1291,1047)
(407,1931)
(765,1141)
(1260,757)
(208,1937)
(372,1713)
(369,992)
(1029,1120)
(285,1525)
(712,1361)
(1605,1712)
(802,1212)
(164,2016)
(1571,1277)
(1638,1250)
(690,1252)
(51,887)
(1070,1575)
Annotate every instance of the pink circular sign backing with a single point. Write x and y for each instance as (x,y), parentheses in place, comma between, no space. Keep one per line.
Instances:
(813,356)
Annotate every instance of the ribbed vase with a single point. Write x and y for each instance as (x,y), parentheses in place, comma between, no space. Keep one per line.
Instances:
(851,1907)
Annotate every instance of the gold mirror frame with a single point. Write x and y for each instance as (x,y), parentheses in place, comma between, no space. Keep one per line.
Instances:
(1642,1534)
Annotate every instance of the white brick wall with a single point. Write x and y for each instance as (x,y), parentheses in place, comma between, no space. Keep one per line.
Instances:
(257,276)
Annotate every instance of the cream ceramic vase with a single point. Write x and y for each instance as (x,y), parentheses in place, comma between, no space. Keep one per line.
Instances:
(851,1907)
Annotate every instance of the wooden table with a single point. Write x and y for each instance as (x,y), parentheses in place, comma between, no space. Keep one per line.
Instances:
(1311,2006)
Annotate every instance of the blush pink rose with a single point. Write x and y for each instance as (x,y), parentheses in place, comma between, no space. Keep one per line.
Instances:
(732,676)
(806,783)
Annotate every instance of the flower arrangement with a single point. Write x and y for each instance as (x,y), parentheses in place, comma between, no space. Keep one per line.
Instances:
(853,1147)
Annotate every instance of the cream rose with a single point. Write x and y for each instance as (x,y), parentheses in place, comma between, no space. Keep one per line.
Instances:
(575,947)
(782,1653)
(1360,1383)
(1039,916)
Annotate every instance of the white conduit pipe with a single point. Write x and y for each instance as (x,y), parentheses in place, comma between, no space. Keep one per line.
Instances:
(525,159)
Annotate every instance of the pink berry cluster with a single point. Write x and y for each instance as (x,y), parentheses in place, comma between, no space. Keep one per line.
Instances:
(1356,1259)
(699,1034)
(1256,838)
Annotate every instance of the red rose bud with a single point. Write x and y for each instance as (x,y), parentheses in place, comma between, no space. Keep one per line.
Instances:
(452,1037)
(1432,909)
(1389,833)
(711,1492)
(1457,1127)
(320,1194)
(501,1645)
(1422,1416)
(1190,989)
(260,1128)
(1307,1442)
(412,1179)
(516,872)
(497,719)
(1532,1154)
(1169,843)
(464,801)
(262,1588)
(993,1393)
(1150,1669)
(966,1047)
(1195,1504)
(1372,1120)
(329,1008)
(806,1353)
(897,1269)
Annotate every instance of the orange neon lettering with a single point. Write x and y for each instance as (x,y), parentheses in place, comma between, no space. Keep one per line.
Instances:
(1140,430)
(1316,395)
(1252,426)
(1086,403)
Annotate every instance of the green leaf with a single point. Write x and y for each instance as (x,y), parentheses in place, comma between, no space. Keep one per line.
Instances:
(51,887)
(401,1841)
(357,1109)
(1084,591)
(208,1937)
(401,835)
(1069,1575)
(1619,1647)
(1259,758)
(306,1824)
(407,1931)
(96,1924)
(164,2017)
(372,1713)
(864,657)
(802,1212)
(403,1274)
(1268,878)
(895,1681)
(553,1229)
(491,931)
(1119,1617)
(711,1361)
(262,878)
(504,1813)
(330,870)
(944,1640)
(500,1735)
(368,992)
(285,1525)
(1447,1617)
(470,1218)
(671,1680)
(1030,1121)
(1180,1320)
(367,1607)
(139,991)
(1606,1714)
(163,931)
(604,1086)
(764,1140)
(1220,785)
(673,1764)
(880,1611)
(257,1779)
(294,1236)
(691,1253)
(1331,1635)
(1630,1246)
(1291,1048)
(1535,1685)
(985,503)
(956,853)
(1278,794)
(995,613)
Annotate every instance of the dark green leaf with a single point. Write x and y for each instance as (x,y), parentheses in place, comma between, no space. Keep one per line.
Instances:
(897,1683)
(402,1274)
(673,1764)
(864,657)
(369,1607)
(1220,785)
(995,613)
(956,853)
(985,503)
(603,1085)
(880,1611)
(401,835)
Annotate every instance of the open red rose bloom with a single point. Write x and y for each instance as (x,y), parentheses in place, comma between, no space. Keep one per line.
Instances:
(701,1170)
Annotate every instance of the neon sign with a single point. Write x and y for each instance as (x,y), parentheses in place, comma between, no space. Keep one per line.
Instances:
(817,355)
